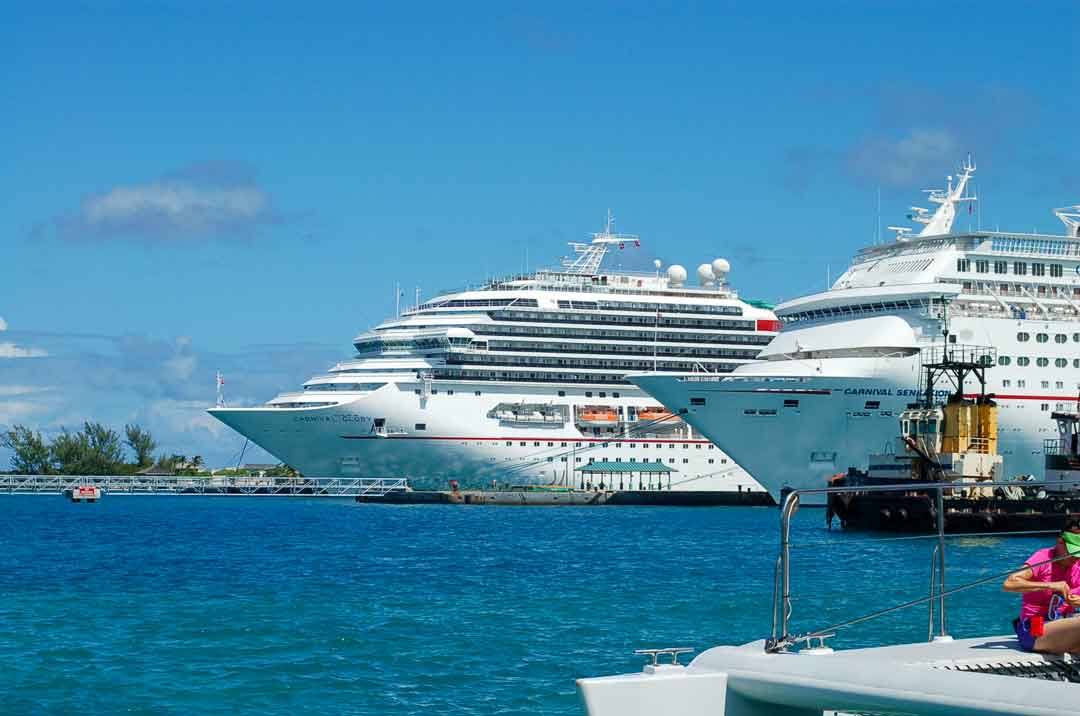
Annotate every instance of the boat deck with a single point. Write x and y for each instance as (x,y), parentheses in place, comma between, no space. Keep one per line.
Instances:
(988,675)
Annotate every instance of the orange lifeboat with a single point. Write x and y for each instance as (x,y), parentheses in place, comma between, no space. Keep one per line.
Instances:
(598,416)
(654,414)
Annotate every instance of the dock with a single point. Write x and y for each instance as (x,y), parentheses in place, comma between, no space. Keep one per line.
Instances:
(572,497)
(109,485)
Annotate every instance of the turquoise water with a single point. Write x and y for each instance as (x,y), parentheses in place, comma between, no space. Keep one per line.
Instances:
(182,605)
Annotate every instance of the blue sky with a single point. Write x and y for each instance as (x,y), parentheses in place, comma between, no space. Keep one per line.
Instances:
(194,186)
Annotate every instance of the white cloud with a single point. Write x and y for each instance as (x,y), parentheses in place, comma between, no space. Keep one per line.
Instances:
(13,390)
(904,160)
(163,385)
(10,350)
(12,411)
(3,324)
(215,199)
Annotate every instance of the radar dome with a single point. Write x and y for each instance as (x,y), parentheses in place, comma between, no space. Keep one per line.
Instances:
(720,268)
(705,275)
(676,275)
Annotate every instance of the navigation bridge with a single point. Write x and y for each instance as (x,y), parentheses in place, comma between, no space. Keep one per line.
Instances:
(348,487)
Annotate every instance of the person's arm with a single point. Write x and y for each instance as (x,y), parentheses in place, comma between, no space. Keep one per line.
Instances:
(1023,581)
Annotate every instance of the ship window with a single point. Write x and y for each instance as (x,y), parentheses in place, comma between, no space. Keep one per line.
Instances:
(523,443)
(1021,384)
(449,392)
(1006,383)
(982,266)
(750,411)
(562,444)
(614,395)
(536,444)
(509,444)
(477,392)
(1042,337)
(1044,406)
(434,392)
(1001,267)
(1061,363)
(685,460)
(698,447)
(1042,362)
(1004,360)
(1023,337)
(1020,268)
(711,461)
(697,401)
(963,265)
(1023,361)
(1059,384)
(417,391)
(1038,269)
(577,459)
(588,393)
(791,403)
(421,426)
(872,405)
(1055,270)
(1061,338)
(1076,362)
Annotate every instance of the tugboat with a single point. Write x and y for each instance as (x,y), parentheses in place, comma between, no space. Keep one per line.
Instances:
(955,442)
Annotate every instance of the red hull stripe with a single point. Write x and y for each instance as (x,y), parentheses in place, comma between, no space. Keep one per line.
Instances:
(1003,396)
(546,438)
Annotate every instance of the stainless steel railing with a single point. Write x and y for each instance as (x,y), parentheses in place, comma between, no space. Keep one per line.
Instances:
(781,638)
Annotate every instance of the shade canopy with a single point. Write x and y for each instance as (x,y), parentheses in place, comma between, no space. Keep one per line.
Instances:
(626,467)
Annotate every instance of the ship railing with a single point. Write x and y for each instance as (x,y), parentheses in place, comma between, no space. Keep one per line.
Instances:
(782,639)
(1056,447)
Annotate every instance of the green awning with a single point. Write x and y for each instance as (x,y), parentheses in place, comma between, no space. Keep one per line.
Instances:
(642,467)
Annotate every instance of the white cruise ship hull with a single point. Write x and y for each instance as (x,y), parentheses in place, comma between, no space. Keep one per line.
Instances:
(452,435)
(848,408)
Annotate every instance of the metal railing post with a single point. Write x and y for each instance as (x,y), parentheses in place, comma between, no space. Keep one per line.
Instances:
(941,559)
(931,596)
(791,505)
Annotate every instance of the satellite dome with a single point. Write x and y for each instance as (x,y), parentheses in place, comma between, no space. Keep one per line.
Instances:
(720,268)
(676,275)
(705,275)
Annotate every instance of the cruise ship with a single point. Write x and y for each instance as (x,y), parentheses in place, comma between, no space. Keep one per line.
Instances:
(829,388)
(522,381)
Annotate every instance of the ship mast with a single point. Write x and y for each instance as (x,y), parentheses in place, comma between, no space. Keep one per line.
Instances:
(941,221)
(588,257)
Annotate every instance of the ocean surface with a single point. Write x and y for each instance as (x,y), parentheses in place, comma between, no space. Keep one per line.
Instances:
(257,605)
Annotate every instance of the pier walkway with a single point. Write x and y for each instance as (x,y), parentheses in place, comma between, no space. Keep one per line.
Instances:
(350,487)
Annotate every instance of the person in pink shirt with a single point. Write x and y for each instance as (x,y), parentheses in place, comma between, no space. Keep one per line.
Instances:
(1050,584)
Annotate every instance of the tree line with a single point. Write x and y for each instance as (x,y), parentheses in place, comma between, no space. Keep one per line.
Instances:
(93,450)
